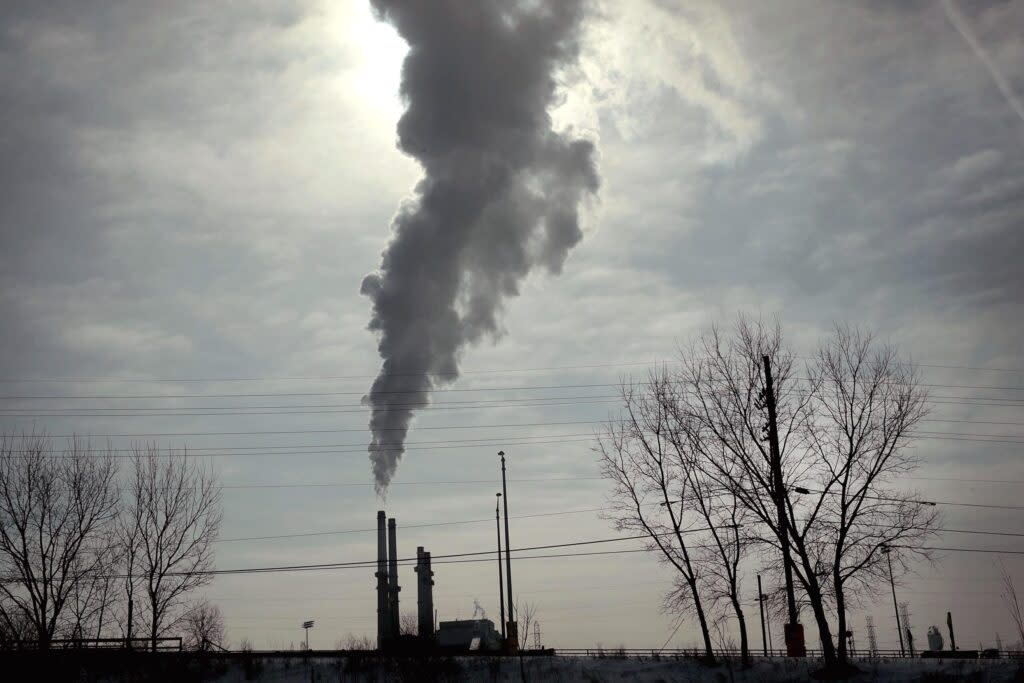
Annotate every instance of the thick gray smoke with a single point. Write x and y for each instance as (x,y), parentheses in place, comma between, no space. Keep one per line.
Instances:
(499,196)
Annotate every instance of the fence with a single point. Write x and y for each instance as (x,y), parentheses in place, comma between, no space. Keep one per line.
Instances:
(162,644)
(695,653)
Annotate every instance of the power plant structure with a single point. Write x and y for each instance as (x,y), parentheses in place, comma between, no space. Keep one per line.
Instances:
(452,636)
(388,621)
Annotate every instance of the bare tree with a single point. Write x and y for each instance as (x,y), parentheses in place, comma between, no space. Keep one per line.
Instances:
(1012,603)
(354,642)
(866,405)
(203,626)
(721,384)
(408,624)
(526,615)
(56,513)
(843,429)
(695,440)
(650,491)
(173,517)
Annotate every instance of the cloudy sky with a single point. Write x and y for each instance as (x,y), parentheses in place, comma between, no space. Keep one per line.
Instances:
(193,191)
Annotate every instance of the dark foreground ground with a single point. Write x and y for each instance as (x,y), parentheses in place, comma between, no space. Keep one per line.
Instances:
(110,666)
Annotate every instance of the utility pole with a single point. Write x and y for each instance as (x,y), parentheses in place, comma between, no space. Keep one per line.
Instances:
(760,601)
(895,608)
(513,637)
(794,632)
(872,638)
(501,589)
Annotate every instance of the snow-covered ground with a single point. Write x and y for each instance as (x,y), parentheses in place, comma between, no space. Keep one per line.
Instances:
(596,669)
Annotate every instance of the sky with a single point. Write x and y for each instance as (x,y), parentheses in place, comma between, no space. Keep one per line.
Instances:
(192,193)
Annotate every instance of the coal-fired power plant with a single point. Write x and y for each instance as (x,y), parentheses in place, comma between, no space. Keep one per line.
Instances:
(453,636)
(388,620)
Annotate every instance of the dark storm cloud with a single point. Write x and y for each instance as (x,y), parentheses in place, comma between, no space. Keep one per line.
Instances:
(499,197)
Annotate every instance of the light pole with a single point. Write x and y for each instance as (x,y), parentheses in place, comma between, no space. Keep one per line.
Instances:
(892,582)
(307,625)
(501,589)
(513,639)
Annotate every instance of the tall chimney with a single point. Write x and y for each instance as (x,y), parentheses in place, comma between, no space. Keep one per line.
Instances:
(393,580)
(425,595)
(383,610)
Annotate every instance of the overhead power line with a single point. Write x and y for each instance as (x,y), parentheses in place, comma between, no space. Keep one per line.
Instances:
(434,392)
(925,502)
(485,556)
(481,441)
(317,378)
(556,513)
(360,450)
(342,409)
(457,482)
(406,526)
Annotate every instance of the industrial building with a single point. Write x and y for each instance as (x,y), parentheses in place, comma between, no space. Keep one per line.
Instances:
(468,634)
(460,635)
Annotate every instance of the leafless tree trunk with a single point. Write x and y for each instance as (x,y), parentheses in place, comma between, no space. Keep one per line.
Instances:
(56,516)
(650,495)
(203,626)
(173,516)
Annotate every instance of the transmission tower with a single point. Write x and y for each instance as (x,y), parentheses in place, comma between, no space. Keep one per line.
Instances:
(872,639)
(536,635)
(905,616)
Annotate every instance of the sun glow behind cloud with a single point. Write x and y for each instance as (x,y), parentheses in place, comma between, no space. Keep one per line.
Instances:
(379,54)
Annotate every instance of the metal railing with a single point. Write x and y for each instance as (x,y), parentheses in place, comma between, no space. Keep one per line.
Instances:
(698,653)
(170,644)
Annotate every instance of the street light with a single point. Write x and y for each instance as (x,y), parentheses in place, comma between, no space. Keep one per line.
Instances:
(892,582)
(513,639)
(307,625)
(501,590)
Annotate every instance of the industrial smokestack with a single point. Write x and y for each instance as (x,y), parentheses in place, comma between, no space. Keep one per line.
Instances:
(499,197)
(383,609)
(393,581)
(425,595)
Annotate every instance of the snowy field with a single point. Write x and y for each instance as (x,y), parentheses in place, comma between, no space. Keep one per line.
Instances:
(596,669)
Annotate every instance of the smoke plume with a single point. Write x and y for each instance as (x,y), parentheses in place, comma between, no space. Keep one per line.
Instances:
(499,195)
